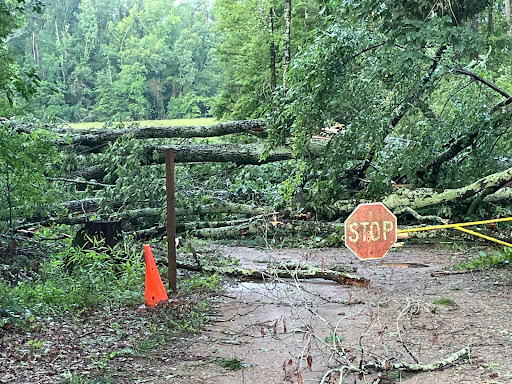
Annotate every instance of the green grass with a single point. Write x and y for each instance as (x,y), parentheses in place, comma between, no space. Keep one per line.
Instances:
(153,123)
(231,364)
(444,301)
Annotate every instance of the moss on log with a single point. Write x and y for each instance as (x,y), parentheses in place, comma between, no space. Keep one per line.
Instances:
(426,198)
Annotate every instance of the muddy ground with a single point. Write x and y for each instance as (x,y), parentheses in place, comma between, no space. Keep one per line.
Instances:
(285,331)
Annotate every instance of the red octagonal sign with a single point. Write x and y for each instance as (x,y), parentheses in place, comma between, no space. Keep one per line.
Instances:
(370,231)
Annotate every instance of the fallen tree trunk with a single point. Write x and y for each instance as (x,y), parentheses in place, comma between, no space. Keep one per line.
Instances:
(261,226)
(240,154)
(232,153)
(94,140)
(426,198)
(94,204)
(455,146)
(292,271)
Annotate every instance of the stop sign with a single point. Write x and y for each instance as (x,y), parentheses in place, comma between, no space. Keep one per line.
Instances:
(370,231)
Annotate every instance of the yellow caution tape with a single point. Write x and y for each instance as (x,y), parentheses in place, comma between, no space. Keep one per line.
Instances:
(460,227)
(484,236)
(441,226)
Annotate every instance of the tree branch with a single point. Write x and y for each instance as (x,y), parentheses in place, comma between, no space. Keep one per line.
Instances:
(404,107)
(355,55)
(75,181)
(474,76)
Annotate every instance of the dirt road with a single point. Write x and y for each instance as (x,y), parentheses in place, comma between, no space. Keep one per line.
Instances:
(286,331)
(289,331)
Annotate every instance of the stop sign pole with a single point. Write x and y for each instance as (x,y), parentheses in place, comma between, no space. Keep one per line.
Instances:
(370,231)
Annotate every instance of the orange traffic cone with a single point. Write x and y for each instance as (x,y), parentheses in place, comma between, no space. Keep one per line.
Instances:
(154,290)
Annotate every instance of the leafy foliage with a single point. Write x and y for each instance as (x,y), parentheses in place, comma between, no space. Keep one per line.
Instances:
(13,83)
(103,60)
(73,279)
(26,159)
(243,51)
(485,260)
(393,75)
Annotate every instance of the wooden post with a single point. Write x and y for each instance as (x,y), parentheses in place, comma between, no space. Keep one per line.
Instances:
(171,219)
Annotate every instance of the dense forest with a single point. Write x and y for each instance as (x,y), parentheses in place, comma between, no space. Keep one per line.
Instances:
(359,98)
(103,60)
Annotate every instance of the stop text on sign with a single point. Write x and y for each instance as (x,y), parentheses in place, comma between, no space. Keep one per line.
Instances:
(373,231)
(370,231)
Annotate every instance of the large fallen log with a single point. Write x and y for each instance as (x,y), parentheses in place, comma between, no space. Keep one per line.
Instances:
(263,226)
(94,204)
(208,209)
(290,271)
(233,153)
(224,153)
(426,198)
(240,154)
(94,140)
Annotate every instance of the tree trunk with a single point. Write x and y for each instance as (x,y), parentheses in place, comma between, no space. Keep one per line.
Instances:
(419,199)
(507,15)
(342,275)
(430,172)
(241,154)
(232,153)
(209,209)
(62,53)
(95,140)
(402,110)
(474,27)
(490,21)
(286,34)
(93,205)
(272,48)
(269,228)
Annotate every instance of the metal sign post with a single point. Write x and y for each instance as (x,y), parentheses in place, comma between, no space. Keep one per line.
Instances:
(171,219)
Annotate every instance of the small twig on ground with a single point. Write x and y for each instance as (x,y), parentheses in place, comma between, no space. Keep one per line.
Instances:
(448,273)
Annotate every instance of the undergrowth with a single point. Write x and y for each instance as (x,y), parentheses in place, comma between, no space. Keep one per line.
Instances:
(483,260)
(71,280)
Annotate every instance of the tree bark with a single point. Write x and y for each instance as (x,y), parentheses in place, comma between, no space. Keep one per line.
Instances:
(230,153)
(241,154)
(419,199)
(209,209)
(95,140)
(286,35)
(261,227)
(93,205)
(490,21)
(507,15)
(272,49)
(290,271)
(386,366)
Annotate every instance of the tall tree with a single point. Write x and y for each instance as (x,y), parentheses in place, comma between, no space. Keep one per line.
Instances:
(14,82)
(287,18)
(248,43)
(112,59)
(392,75)
(272,51)
(507,15)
